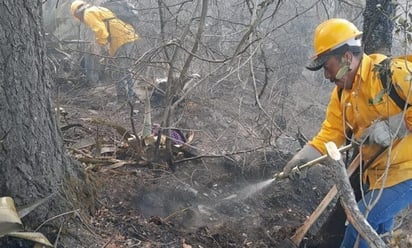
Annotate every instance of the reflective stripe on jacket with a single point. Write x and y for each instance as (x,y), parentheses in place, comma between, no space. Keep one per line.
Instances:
(358,107)
(101,20)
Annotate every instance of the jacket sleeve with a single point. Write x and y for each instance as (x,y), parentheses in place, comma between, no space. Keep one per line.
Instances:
(98,26)
(332,127)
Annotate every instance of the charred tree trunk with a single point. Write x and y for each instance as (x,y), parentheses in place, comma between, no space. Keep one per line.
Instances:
(33,163)
(378,26)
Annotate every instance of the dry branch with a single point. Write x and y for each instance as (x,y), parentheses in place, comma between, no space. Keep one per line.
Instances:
(349,204)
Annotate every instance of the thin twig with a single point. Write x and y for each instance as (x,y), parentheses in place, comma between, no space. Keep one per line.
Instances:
(131,118)
(108,242)
(58,236)
(55,217)
(176,213)
(226,155)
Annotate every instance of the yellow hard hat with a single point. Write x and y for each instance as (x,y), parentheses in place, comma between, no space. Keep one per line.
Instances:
(331,35)
(75,6)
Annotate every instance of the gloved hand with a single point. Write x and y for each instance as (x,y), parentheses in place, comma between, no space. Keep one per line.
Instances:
(384,131)
(306,154)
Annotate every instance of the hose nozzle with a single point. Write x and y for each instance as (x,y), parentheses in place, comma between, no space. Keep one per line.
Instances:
(281,175)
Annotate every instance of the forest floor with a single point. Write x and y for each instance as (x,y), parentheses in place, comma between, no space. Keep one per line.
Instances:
(212,198)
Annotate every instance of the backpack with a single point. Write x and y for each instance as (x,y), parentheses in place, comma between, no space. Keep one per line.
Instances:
(123,11)
(385,76)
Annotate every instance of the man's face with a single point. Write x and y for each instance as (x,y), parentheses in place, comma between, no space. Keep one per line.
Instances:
(331,68)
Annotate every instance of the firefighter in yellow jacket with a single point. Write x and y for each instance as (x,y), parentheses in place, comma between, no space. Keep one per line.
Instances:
(120,37)
(361,105)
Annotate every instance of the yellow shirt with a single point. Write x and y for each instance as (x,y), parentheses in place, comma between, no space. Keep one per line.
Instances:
(101,21)
(359,107)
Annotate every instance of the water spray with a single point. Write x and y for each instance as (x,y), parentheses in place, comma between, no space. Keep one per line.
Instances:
(254,188)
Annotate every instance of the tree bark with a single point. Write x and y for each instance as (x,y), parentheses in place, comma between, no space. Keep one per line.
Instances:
(378,26)
(349,204)
(33,162)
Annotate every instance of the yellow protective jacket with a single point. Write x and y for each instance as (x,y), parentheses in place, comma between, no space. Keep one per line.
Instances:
(358,107)
(108,29)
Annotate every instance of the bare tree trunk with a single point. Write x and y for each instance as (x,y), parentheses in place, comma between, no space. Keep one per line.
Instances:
(175,82)
(199,33)
(160,5)
(378,26)
(33,163)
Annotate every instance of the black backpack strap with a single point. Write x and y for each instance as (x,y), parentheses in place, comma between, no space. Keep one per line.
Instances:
(340,93)
(385,75)
(107,23)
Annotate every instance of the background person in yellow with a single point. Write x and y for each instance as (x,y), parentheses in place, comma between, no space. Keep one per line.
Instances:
(120,38)
(359,104)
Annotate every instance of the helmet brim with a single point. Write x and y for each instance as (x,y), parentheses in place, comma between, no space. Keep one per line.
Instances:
(317,64)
